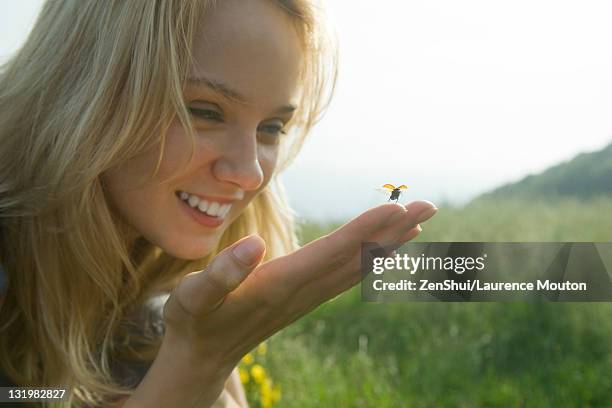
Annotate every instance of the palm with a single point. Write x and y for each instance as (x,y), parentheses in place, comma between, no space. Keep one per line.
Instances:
(282,290)
(300,281)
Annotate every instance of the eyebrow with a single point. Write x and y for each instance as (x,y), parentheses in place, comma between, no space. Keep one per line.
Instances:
(229,93)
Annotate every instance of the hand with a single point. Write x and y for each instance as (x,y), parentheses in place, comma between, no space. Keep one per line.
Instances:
(224,311)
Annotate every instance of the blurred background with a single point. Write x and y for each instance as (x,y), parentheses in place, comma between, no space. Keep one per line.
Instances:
(498,112)
(456,98)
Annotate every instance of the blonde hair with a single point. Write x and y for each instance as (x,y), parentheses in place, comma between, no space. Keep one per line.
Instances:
(95,84)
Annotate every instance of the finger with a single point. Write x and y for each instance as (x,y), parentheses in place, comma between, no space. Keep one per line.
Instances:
(332,251)
(371,220)
(422,210)
(411,233)
(334,284)
(416,212)
(202,292)
(324,250)
(353,275)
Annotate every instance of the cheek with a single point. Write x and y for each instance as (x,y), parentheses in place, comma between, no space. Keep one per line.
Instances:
(177,149)
(125,182)
(135,191)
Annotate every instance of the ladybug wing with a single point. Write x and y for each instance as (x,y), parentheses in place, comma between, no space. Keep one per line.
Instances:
(384,191)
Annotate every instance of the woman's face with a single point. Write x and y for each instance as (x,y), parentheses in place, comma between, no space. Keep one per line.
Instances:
(242,91)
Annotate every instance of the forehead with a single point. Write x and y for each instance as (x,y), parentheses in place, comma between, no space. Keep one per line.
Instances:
(251,45)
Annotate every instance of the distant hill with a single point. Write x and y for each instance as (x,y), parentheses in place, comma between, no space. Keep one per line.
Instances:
(585,176)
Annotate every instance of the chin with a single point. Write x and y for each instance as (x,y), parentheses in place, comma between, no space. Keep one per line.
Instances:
(187,254)
(190,250)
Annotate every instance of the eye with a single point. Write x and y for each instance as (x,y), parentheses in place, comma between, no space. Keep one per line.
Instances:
(271,133)
(206,114)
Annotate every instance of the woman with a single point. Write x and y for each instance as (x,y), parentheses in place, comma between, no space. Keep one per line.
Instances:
(141,142)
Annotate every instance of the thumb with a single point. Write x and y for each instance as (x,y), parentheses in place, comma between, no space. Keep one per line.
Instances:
(202,292)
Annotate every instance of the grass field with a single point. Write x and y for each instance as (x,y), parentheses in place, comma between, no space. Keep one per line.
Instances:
(353,354)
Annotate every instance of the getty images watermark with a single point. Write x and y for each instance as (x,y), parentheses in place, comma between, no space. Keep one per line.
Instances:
(487,271)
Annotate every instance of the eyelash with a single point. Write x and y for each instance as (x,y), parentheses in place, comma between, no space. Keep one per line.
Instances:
(211,115)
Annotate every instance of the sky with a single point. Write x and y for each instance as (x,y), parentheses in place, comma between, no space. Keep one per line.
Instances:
(450,98)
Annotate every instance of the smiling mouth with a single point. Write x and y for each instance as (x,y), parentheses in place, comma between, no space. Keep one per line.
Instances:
(208,207)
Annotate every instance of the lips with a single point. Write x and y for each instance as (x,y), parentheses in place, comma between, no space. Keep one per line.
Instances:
(199,217)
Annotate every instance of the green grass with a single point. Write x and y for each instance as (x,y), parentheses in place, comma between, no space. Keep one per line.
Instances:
(457,354)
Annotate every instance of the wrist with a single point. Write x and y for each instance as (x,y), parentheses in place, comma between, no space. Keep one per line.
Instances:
(178,377)
(193,358)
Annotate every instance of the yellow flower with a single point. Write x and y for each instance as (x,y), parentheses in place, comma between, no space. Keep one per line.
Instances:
(262,349)
(248,358)
(244,375)
(276,393)
(266,393)
(258,373)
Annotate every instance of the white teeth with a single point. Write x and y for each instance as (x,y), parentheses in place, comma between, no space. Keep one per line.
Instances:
(213,209)
(193,200)
(203,206)
(224,209)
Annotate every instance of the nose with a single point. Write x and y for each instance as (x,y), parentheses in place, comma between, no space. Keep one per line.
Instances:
(238,162)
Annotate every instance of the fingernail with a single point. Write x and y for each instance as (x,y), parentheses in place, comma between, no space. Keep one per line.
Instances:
(426,214)
(249,250)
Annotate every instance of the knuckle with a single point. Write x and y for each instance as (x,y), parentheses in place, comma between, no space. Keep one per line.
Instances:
(232,278)
(226,273)
(215,278)
(223,274)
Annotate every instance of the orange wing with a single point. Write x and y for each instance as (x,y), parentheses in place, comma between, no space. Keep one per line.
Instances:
(403,187)
(389,186)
